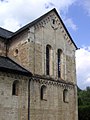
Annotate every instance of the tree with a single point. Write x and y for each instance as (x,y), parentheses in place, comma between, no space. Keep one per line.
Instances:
(84,104)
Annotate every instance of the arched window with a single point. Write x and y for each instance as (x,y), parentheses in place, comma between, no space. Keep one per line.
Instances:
(59,62)
(16,52)
(48,60)
(65,96)
(43,92)
(15,88)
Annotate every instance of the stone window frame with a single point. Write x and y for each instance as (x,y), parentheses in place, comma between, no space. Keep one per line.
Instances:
(48,60)
(16,52)
(59,63)
(65,96)
(43,92)
(15,88)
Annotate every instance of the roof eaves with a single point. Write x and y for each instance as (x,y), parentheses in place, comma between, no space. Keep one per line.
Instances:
(3,37)
(7,70)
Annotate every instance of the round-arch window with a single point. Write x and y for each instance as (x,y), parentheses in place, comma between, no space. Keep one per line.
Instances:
(43,92)
(15,88)
(16,52)
(66,96)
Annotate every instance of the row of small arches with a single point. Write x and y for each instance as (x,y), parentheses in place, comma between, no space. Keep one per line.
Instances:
(43,91)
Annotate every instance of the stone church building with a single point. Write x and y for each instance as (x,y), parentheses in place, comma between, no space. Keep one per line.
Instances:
(38,71)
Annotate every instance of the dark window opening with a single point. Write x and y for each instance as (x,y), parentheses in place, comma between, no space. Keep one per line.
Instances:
(59,63)
(47,60)
(65,95)
(16,51)
(43,92)
(15,88)
(53,21)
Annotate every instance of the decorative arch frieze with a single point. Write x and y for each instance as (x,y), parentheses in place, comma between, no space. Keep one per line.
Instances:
(46,81)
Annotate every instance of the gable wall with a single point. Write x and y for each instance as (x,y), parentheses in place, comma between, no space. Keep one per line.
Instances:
(31,45)
(58,39)
(53,108)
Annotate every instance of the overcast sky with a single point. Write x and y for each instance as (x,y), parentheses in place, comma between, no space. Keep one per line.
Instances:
(75,14)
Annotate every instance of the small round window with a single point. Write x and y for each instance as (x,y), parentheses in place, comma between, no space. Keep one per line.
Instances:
(16,52)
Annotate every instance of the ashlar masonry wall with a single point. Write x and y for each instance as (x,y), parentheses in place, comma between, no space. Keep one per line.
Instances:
(29,49)
(13,107)
(53,107)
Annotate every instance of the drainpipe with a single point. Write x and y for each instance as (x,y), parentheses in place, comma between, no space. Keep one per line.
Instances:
(29,98)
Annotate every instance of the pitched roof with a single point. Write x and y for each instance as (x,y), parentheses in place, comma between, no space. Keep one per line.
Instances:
(8,65)
(5,33)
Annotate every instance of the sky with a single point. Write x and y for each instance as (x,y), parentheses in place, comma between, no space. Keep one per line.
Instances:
(75,14)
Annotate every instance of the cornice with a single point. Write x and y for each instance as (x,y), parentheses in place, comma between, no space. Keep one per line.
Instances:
(51,81)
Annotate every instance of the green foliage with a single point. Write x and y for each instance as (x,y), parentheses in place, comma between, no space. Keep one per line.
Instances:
(84,104)
(84,97)
(84,113)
